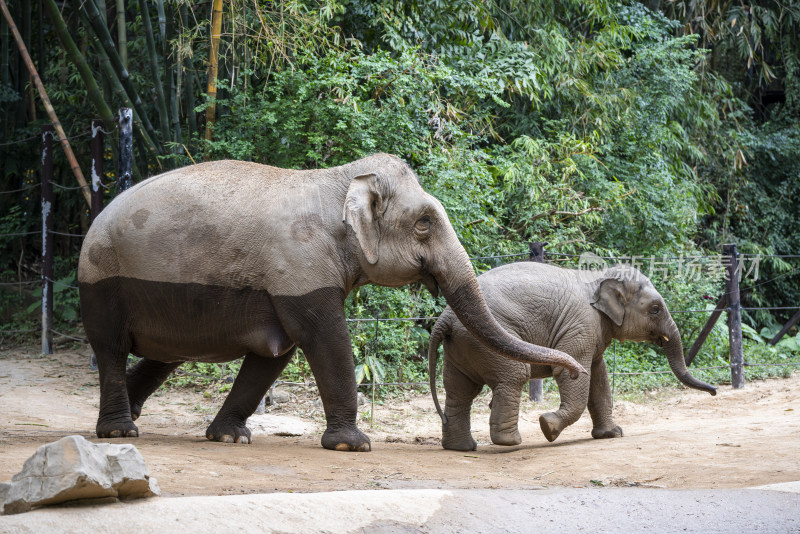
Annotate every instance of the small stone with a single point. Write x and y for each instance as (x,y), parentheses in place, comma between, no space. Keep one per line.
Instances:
(278,396)
(73,469)
(362,399)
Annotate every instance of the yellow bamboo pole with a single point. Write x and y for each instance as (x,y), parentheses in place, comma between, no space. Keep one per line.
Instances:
(213,58)
(76,169)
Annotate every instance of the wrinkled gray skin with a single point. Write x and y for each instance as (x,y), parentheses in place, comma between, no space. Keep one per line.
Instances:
(578,312)
(226,259)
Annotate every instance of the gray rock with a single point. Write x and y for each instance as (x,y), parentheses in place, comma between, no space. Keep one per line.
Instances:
(73,469)
(362,399)
(278,396)
(279,425)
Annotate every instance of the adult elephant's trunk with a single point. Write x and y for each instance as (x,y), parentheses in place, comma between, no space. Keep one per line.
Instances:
(455,277)
(674,351)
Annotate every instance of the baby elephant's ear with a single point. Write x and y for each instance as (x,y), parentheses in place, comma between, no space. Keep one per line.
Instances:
(609,298)
(363,207)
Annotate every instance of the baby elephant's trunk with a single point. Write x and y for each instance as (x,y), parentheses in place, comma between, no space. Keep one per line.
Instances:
(674,351)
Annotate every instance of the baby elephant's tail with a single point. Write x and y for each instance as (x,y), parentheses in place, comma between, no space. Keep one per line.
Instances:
(440,329)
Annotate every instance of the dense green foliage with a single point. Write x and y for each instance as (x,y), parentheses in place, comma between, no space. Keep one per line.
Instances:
(623,128)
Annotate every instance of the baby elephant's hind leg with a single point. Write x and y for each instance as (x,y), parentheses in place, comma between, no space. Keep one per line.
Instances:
(460,390)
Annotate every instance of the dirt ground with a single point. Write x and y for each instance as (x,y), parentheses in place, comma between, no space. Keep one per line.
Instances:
(674,438)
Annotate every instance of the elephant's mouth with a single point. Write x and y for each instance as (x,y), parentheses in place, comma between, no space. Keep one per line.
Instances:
(659,339)
(430,283)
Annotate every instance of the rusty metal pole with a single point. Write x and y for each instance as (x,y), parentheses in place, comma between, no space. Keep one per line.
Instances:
(734,317)
(47,239)
(536,386)
(786,328)
(709,326)
(125,124)
(98,170)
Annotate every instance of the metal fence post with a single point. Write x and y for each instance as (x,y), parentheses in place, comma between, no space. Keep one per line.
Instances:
(125,178)
(98,171)
(536,386)
(47,239)
(374,376)
(734,316)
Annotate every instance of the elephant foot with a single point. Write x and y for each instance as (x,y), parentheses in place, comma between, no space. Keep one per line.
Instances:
(228,432)
(136,409)
(116,430)
(607,432)
(347,439)
(459,443)
(506,437)
(551,425)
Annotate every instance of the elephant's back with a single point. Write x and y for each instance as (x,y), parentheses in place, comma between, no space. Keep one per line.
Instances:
(204,223)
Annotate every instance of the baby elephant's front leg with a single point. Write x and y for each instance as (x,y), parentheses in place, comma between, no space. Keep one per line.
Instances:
(600,403)
(574,397)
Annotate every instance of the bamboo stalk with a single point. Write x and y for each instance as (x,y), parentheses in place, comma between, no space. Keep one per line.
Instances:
(122,34)
(4,66)
(104,37)
(213,58)
(162,24)
(154,69)
(116,86)
(188,68)
(76,170)
(93,92)
(174,89)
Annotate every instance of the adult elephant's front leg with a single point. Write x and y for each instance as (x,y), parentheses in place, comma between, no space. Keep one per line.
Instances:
(255,376)
(316,322)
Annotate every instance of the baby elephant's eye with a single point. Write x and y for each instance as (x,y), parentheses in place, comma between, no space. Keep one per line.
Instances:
(655,309)
(423,225)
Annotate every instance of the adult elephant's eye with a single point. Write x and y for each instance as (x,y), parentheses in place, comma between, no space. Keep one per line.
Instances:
(423,226)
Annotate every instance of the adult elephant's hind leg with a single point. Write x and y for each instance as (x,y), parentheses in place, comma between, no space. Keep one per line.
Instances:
(255,376)
(115,414)
(143,379)
(103,318)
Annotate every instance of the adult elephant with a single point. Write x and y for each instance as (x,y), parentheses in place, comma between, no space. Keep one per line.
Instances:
(577,312)
(220,260)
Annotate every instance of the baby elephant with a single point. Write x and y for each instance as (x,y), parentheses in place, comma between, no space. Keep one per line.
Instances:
(578,312)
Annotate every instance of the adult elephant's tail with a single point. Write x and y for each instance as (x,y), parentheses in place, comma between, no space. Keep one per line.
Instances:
(440,329)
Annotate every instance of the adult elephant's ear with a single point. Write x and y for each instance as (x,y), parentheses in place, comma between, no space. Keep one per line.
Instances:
(363,208)
(609,298)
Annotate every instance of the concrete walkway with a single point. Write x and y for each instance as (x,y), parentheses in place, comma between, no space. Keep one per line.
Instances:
(486,511)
